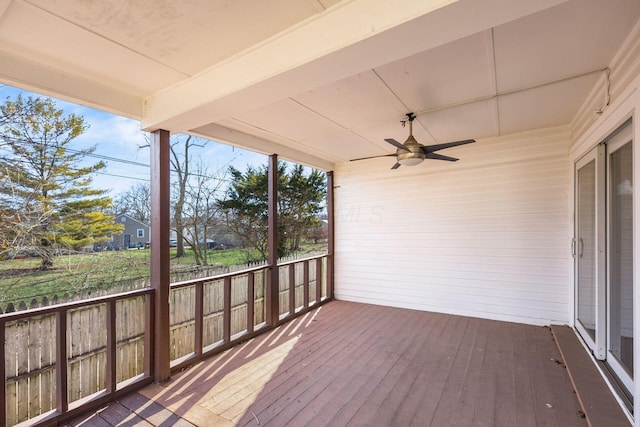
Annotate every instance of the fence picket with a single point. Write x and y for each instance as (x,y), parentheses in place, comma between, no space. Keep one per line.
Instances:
(33,341)
(12,352)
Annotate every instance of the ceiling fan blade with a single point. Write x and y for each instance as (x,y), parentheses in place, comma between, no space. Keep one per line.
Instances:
(395,143)
(372,157)
(431,148)
(436,156)
(396,166)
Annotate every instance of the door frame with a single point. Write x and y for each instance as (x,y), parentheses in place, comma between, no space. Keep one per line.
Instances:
(598,345)
(617,140)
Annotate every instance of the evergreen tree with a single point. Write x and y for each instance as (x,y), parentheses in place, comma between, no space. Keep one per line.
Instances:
(301,199)
(46,199)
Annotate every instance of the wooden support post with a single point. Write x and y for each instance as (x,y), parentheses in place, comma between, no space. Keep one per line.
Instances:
(273,284)
(160,279)
(330,218)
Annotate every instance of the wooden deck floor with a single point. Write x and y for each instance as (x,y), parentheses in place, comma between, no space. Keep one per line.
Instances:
(348,364)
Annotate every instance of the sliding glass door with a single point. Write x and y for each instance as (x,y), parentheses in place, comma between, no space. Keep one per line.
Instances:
(588,245)
(620,257)
(603,251)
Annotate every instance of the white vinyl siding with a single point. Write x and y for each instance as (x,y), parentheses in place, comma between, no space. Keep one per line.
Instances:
(487,236)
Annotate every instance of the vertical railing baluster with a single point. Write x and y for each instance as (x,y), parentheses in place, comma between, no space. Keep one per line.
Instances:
(148,334)
(292,288)
(227,310)
(305,284)
(3,375)
(199,318)
(318,280)
(62,397)
(251,301)
(111,377)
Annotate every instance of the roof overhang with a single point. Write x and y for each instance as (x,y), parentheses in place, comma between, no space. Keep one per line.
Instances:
(318,82)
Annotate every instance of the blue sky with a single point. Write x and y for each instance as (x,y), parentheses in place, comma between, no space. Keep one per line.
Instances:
(119,138)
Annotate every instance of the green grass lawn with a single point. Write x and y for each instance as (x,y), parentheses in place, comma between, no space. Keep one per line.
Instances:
(21,280)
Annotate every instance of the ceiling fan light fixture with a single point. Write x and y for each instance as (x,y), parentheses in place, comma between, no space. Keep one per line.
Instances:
(410,158)
(412,153)
(410,161)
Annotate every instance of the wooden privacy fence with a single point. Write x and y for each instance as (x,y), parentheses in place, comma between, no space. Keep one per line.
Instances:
(61,357)
(177,274)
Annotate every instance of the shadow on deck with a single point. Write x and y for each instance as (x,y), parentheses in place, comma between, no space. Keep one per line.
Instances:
(363,365)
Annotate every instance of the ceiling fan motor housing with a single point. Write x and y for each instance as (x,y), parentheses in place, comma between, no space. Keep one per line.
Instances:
(412,152)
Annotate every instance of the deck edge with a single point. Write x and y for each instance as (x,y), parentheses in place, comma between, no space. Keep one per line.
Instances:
(594,394)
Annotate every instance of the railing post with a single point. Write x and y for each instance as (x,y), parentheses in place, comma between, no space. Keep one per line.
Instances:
(305,284)
(330,237)
(318,280)
(199,318)
(149,327)
(3,375)
(111,375)
(226,316)
(62,396)
(292,289)
(251,301)
(160,278)
(273,286)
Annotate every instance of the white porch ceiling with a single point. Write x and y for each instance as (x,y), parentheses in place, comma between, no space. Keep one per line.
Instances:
(318,81)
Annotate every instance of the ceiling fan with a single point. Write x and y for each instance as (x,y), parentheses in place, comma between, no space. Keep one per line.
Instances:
(412,152)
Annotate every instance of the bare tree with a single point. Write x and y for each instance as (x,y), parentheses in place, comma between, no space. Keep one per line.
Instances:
(135,202)
(200,214)
(22,220)
(180,163)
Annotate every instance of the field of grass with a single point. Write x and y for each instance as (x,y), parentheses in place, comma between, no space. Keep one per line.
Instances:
(21,280)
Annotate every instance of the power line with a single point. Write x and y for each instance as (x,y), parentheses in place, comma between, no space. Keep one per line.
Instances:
(131,162)
(139,164)
(122,176)
(147,166)
(143,179)
(109,158)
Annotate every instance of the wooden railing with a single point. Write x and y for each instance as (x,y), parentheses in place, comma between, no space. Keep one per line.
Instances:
(210,315)
(61,359)
(74,357)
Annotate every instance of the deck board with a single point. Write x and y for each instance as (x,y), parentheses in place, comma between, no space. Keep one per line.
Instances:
(599,404)
(350,364)
(312,396)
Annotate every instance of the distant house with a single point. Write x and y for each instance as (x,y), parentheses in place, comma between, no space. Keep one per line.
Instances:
(135,234)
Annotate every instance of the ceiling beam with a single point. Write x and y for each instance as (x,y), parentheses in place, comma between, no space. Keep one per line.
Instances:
(261,145)
(46,80)
(345,40)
